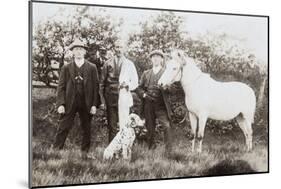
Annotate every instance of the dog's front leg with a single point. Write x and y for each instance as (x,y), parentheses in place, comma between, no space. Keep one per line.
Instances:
(125,151)
(107,154)
(129,152)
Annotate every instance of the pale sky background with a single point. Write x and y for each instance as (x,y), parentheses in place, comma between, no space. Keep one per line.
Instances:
(249,33)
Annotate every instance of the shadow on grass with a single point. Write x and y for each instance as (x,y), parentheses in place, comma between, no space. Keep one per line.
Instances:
(229,167)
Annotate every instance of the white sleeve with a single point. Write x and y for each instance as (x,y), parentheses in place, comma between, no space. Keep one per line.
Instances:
(129,74)
(134,80)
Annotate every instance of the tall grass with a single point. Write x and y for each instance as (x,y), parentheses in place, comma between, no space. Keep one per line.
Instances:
(67,167)
(223,153)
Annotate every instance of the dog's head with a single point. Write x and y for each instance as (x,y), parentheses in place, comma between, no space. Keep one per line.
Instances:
(135,121)
(137,124)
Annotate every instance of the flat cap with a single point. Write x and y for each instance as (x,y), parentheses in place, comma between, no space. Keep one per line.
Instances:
(156,52)
(77,43)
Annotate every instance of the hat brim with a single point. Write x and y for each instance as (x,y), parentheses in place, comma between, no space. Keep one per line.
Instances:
(162,55)
(71,48)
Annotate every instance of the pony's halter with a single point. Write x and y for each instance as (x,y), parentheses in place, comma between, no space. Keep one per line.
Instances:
(179,72)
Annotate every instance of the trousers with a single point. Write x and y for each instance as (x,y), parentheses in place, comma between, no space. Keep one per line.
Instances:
(153,111)
(66,123)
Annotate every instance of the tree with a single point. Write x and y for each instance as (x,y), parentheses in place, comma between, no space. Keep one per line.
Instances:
(52,38)
(161,32)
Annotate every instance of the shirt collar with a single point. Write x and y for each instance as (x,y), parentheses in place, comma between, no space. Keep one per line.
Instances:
(156,69)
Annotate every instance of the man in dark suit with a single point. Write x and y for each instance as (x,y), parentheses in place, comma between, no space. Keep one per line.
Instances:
(78,91)
(155,100)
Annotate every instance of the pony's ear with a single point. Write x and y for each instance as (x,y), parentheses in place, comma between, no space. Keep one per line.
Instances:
(181,55)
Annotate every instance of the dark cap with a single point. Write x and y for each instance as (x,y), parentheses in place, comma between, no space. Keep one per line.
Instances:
(77,43)
(156,52)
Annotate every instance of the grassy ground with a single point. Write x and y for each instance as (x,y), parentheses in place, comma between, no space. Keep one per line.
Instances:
(223,153)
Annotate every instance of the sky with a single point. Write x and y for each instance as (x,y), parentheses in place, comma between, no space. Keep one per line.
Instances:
(250,33)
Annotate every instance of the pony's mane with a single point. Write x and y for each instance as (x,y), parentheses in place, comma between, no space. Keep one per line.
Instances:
(190,63)
(184,57)
(191,68)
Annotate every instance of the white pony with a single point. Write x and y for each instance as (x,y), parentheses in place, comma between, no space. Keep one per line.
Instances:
(206,98)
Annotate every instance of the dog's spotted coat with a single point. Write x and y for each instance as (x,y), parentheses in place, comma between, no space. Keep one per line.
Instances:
(124,139)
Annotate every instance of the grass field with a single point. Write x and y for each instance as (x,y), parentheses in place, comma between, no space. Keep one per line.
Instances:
(223,153)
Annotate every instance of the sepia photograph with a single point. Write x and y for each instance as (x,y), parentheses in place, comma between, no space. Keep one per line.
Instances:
(122,94)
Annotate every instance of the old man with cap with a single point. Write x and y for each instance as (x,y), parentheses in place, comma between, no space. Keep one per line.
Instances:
(77,92)
(155,101)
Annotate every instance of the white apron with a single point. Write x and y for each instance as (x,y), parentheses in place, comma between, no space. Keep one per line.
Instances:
(129,76)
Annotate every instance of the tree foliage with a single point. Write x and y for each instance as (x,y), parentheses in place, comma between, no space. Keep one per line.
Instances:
(52,38)
(162,32)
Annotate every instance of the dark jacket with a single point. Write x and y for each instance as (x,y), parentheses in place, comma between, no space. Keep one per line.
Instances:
(66,86)
(109,85)
(144,82)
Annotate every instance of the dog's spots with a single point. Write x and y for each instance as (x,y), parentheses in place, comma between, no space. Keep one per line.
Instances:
(124,139)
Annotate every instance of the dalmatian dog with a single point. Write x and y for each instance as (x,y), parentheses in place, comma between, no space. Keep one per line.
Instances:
(124,139)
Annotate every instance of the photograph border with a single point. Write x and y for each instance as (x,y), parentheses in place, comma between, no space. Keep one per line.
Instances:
(30,122)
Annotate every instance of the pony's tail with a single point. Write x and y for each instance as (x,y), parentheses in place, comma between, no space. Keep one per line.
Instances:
(249,112)
(253,108)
